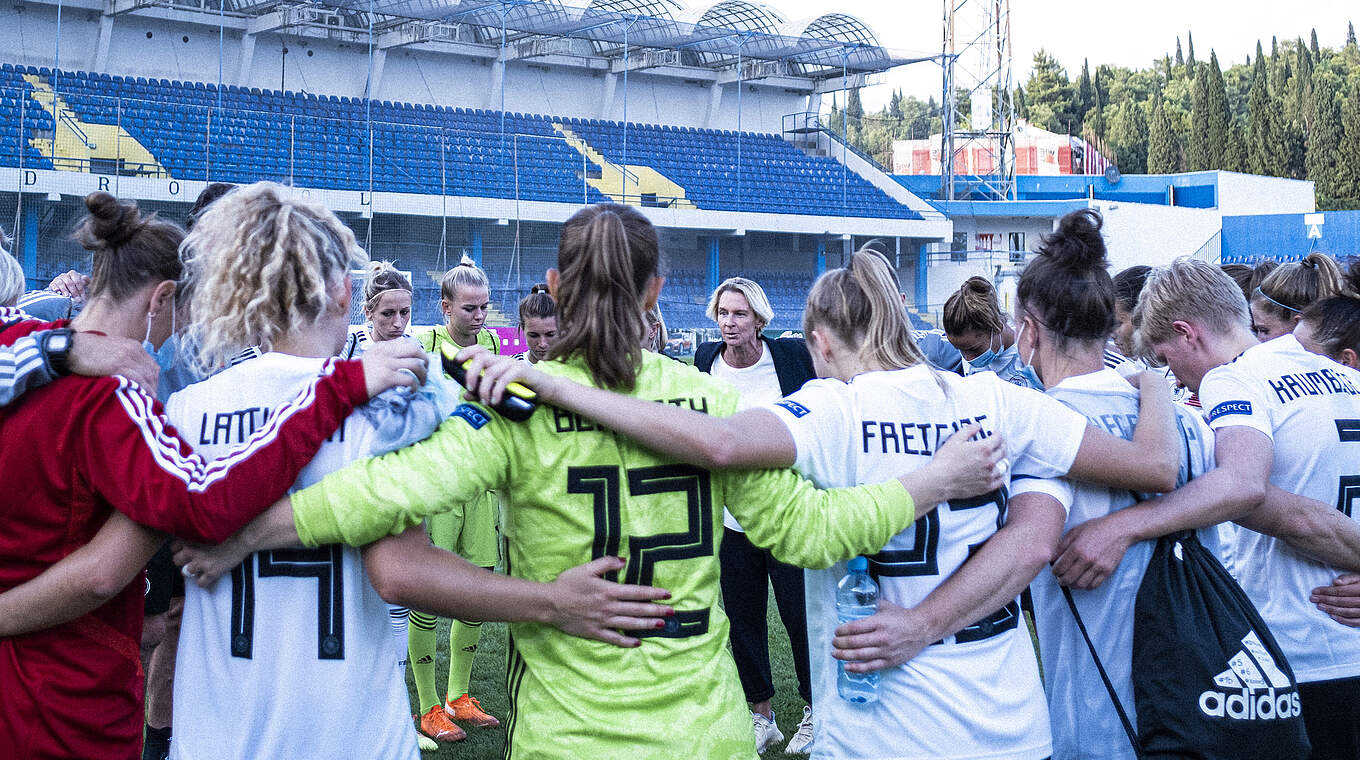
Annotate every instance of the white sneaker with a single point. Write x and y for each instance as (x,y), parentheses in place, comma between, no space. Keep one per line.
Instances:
(801,743)
(767,732)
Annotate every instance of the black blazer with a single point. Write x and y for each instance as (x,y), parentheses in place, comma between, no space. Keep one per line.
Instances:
(792,362)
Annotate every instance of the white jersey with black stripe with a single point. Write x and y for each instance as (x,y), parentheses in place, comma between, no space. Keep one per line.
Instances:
(1309,407)
(290,634)
(975,694)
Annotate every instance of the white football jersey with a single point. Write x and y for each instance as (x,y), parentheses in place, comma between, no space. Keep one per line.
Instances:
(290,634)
(1309,406)
(1084,721)
(975,694)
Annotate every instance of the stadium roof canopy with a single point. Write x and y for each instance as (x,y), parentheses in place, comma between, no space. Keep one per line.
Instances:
(712,36)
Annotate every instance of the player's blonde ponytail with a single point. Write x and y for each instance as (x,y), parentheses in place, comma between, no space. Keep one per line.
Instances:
(862,306)
(263,262)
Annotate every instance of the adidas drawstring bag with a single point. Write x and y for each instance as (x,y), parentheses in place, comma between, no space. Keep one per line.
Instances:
(1209,680)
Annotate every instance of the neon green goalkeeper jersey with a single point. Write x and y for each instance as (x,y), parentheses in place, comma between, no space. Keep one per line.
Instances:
(573,492)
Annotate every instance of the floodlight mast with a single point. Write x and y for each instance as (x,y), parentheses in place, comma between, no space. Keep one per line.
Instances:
(976,60)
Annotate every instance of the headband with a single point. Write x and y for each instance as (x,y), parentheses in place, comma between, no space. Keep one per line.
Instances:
(1262,294)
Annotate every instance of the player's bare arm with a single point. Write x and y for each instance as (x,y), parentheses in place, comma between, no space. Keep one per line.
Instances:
(991,578)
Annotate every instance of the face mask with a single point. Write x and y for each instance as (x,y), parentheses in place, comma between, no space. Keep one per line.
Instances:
(984,359)
(1026,370)
(169,350)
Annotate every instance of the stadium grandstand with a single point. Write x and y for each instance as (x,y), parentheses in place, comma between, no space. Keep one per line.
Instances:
(438,129)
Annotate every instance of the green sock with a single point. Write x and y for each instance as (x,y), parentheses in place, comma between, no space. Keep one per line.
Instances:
(462,649)
(420,652)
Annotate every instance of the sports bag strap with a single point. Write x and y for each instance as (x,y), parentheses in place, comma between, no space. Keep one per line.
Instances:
(1100,667)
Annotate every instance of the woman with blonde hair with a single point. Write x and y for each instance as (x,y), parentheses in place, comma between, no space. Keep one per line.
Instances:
(575,491)
(1278,302)
(387,308)
(763,371)
(472,533)
(947,641)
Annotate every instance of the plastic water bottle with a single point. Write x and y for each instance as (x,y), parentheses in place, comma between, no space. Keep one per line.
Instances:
(856,597)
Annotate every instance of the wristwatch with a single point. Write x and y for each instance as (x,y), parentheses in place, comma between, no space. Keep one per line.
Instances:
(56,349)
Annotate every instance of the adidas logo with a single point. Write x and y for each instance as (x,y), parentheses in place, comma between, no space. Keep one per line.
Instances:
(426,660)
(1252,678)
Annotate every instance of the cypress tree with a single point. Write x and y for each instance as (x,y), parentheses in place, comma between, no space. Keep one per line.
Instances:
(1348,153)
(1163,155)
(1198,153)
(1180,57)
(1085,100)
(1324,139)
(1350,33)
(1263,138)
(1313,46)
(1190,56)
(1303,86)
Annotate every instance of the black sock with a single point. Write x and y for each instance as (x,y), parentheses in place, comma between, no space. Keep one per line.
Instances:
(157,744)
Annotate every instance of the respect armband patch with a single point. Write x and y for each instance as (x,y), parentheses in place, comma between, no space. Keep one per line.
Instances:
(794,408)
(1230,407)
(472,415)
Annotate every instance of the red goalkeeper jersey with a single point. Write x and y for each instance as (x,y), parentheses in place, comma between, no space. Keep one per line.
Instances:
(72,452)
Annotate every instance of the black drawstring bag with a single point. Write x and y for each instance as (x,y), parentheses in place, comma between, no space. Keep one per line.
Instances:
(1209,680)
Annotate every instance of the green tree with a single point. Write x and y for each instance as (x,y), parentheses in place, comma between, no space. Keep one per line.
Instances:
(1085,96)
(1127,135)
(1350,33)
(1198,150)
(1325,137)
(1021,106)
(1348,155)
(1163,154)
(1049,95)
(1190,57)
(1180,57)
(1263,123)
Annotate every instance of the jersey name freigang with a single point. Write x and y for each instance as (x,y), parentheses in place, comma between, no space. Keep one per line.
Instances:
(1252,687)
(917,437)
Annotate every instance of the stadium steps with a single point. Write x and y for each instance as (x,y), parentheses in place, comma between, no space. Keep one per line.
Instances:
(76,143)
(636,181)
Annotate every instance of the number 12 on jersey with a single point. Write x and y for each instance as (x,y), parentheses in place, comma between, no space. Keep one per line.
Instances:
(603,484)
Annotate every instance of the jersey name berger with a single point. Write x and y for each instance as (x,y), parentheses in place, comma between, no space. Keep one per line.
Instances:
(915,438)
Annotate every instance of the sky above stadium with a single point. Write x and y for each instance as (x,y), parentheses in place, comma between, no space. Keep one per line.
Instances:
(1124,33)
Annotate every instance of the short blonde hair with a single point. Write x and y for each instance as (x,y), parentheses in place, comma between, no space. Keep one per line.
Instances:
(755,295)
(1187,290)
(262,261)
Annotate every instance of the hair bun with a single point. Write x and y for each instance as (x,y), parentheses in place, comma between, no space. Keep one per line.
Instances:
(979,285)
(1077,244)
(111,223)
(539,288)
